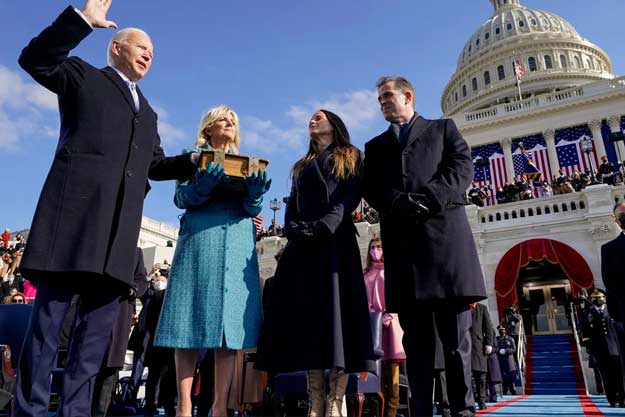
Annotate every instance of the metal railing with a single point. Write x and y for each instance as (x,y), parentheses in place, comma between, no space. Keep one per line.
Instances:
(521,353)
(578,345)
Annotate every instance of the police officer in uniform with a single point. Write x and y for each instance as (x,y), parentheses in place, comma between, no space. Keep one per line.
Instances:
(606,171)
(506,349)
(599,336)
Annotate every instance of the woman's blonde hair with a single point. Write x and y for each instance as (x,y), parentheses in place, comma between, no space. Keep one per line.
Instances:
(344,158)
(210,117)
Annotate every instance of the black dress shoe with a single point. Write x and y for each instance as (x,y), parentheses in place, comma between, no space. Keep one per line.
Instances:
(481,406)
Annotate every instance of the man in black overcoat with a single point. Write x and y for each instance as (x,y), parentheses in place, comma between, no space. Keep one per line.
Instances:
(86,225)
(481,347)
(415,176)
(612,267)
(600,338)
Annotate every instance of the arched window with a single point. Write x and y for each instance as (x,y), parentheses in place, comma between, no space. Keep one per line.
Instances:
(577,63)
(474,84)
(487,35)
(588,64)
(501,72)
(521,23)
(497,30)
(508,26)
(477,42)
(486,78)
(531,61)
(563,61)
(464,91)
(456,95)
(548,63)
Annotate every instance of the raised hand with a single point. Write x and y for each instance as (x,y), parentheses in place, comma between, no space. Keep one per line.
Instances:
(95,13)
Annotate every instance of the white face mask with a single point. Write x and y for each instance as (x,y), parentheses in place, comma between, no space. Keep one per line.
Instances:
(160,285)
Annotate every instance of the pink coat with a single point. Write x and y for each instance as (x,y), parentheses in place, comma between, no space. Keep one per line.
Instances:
(392,333)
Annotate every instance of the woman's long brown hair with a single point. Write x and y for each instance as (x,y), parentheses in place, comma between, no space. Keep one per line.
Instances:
(345,156)
(369,261)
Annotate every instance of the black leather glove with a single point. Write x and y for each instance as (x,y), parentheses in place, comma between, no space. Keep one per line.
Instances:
(307,231)
(412,206)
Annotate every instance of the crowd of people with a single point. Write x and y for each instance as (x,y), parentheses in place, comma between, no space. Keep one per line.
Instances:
(525,188)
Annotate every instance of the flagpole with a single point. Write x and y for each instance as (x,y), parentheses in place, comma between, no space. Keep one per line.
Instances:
(516,76)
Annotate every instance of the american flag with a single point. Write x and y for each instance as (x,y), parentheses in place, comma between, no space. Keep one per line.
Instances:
(569,149)
(518,69)
(536,147)
(495,173)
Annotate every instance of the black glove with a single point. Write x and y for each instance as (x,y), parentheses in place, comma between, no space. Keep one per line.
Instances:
(307,231)
(411,205)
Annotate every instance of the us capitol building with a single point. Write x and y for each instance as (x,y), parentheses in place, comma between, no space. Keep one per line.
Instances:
(535,253)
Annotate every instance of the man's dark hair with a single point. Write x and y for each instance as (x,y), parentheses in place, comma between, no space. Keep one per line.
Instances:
(401,83)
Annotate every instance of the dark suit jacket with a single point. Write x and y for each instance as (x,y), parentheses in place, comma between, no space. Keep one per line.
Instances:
(434,260)
(481,336)
(89,213)
(599,333)
(613,275)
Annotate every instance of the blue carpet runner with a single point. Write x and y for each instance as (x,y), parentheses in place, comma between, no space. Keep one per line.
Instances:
(552,405)
(553,368)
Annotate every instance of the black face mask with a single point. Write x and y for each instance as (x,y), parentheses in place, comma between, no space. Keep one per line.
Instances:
(598,302)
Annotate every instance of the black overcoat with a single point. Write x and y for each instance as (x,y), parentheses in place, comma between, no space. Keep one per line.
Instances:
(123,321)
(89,212)
(434,260)
(599,334)
(481,336)
(612,267)
(494,370)
(317,315)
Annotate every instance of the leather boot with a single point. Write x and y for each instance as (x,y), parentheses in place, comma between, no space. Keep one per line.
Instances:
(316,393)
(390,370)
(338,383)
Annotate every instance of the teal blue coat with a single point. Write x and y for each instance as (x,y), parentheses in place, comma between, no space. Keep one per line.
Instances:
(213,294)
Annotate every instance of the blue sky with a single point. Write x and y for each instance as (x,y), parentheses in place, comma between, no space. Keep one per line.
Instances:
(274,62)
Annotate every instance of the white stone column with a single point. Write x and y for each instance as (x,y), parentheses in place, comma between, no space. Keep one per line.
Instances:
(506,145)
(614,122)
(595,129)
(550,140)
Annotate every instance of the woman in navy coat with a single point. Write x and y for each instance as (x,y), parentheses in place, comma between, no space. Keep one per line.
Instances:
(318,315)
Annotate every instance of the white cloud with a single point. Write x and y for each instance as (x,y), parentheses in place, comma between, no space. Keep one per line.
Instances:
(26,110)
(170,134)
(358,109)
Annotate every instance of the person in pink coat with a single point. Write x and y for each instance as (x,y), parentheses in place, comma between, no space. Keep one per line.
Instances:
(391,333)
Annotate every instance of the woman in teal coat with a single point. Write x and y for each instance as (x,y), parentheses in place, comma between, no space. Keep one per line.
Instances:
(213,296)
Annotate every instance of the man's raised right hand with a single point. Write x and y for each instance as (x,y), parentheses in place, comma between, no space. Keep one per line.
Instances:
(95,13)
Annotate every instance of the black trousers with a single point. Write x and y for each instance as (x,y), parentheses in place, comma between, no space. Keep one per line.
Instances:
(103,391)
(453,323)
(479,378)
(96,314)
(612,376)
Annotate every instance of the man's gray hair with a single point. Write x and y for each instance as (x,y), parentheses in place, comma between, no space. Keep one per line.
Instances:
(400,82)
(120,36)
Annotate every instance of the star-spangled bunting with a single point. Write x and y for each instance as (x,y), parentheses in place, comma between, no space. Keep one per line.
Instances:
(495,173)
(571,157)
(536,151)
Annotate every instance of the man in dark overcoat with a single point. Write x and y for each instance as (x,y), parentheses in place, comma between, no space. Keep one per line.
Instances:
(612,267)
(415,176)
(481,347)
(114,359)
(86,225)
(600,338)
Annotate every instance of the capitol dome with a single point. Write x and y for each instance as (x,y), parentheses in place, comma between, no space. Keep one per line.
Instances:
(553,55)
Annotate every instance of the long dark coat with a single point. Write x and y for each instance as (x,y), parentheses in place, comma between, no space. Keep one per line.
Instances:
(317,315)
(507,363)
(612,266)
(435,260)
(494,371)
(123,322)
(481,336)
(89,212)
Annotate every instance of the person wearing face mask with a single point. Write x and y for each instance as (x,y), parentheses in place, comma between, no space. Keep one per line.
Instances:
(391,332)
(319,318)
(600,338)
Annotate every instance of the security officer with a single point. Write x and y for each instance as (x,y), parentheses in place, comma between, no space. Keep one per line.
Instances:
(599,336)
(606,171)
(506,349)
